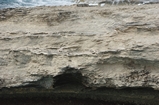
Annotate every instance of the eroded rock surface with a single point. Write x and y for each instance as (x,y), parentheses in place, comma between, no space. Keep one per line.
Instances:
(114,46)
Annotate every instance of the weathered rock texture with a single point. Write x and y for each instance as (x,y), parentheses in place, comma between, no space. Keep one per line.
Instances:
(116,2)
(114,46)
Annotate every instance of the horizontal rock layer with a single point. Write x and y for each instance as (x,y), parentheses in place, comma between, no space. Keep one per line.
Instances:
(114,46)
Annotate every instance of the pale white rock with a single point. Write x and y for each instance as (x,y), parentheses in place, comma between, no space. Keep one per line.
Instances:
(114,46)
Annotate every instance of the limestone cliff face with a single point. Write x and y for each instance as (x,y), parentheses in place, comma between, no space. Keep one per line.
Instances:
(108,47)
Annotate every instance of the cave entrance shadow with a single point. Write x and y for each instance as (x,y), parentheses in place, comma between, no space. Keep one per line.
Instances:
(71,79)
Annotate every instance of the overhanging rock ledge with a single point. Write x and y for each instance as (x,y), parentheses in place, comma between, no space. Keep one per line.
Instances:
(103,47)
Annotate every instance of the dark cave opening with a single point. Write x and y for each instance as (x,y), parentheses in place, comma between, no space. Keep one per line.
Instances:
(70,76)
(69,86)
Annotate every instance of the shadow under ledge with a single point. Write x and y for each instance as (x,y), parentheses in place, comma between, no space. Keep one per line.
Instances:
(68,95)
(69,90)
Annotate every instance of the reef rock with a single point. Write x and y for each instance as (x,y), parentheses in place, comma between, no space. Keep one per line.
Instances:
(113,46)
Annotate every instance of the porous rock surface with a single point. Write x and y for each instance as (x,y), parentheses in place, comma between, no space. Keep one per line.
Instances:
(112,46)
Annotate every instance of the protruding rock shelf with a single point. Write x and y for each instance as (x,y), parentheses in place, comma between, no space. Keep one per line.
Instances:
(106,53)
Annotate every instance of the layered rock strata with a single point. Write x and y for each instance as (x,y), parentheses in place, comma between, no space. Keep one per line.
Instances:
(113,47)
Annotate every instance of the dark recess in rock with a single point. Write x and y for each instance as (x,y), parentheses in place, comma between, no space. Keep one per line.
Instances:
(70,78)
